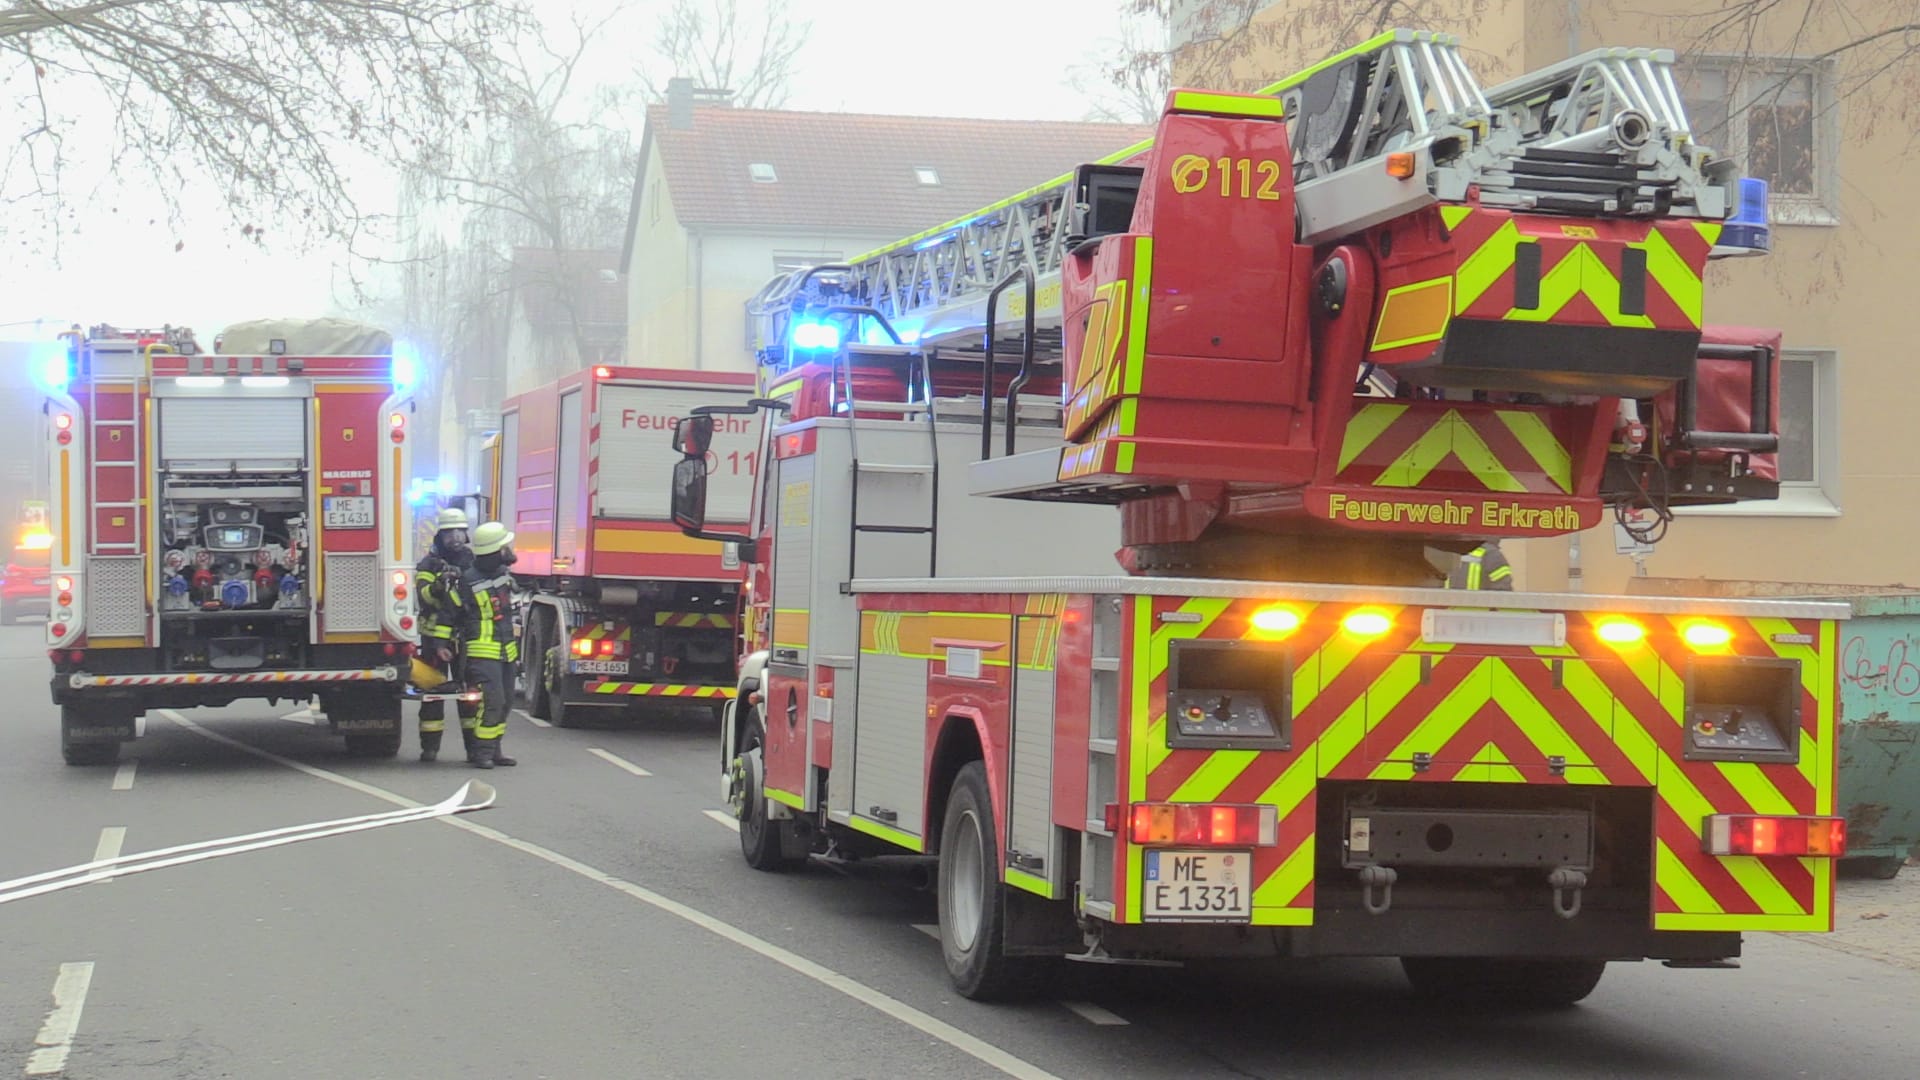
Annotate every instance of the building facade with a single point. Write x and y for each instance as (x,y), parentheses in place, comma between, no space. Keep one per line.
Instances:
(726,198)
(1821,131)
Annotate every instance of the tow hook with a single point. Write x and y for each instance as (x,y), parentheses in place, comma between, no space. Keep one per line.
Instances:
(1566,884)
(1382,876)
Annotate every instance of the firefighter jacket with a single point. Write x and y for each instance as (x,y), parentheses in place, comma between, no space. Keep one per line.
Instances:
(437,584)
(487,624)
(1485,567)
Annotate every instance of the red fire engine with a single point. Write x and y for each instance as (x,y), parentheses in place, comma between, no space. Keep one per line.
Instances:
(227,527)
(1295,353)
(621,609)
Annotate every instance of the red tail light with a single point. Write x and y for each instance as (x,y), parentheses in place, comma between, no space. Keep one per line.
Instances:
(1204,824)
(1776,835)
(615,649)
(583,646)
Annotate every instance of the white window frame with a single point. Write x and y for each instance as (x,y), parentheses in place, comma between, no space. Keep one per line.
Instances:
(927,175)
(1820,496)
(755,173)
(1750,77)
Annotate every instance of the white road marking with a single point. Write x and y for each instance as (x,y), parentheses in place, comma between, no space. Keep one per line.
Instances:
(304,716)
(723,818)
(111,839)
(928,929)
(140,726)
(123,776)
(530,718)
(1094,1014)
(55,1040)
(920,1021)
(616,759)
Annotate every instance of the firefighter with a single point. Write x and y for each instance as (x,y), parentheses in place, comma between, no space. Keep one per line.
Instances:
(436,582)
(1485,567)
(489,641)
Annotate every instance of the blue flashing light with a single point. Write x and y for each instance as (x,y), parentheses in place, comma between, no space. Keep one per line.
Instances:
(1748,229)
(52,366)
(812,334)
(406,367)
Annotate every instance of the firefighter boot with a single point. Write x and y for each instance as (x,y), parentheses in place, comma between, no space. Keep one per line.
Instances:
(472,744)
(483,753)
(500,757)
(429,746)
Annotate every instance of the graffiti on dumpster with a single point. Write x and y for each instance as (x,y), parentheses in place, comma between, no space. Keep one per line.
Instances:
(1892,671)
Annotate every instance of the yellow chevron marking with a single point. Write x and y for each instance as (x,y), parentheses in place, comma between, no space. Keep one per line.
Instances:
(1685,890)
(1547,452)
(1675,277)
(1212,778)
(1285,884)
(1366,424)
(1481,269)
(1709,230)
(1137,736)
(1496,767)
(1451,436)
(1454,215)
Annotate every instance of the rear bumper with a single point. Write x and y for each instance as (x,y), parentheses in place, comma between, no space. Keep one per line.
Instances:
(604,688)
(203,688)
(81,680)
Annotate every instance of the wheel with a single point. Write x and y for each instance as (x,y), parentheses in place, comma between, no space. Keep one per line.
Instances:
(555,683)
(972,911)
(530,683)
(763,842)
(91,749)
(1502,981)
(373,744)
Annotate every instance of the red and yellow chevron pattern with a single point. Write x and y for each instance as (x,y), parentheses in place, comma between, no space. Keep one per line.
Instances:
(1363,710)
(1440,446)
(679,690)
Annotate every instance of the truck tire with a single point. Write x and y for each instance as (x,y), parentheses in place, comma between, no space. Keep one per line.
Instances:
(533,665)
(555,682)
(84,751)
(373,744)
(972,903)
(1489,980)
(764,843)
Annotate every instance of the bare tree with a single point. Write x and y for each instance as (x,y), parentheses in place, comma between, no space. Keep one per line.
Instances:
(259,98)
(1125,79)
(711,43)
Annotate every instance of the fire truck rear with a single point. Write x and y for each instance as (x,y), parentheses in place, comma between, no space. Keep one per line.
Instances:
(621,611)
(1293,355)
(228,526)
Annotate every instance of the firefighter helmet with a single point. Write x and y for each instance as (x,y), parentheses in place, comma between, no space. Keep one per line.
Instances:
(451,518)
(426,677)
(490,537)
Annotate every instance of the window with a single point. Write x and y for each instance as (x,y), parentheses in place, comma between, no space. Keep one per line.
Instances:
(1809,460)
(927,175)
(785,262)
(761,172)
(1776,117)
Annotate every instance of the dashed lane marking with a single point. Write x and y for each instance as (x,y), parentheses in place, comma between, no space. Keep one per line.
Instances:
(112,838)
(303,716)
(723,818)
(531,719)
(123,776)
(920,1021)
(616,760)
(928,929)
(55,1041)
(1094,1014)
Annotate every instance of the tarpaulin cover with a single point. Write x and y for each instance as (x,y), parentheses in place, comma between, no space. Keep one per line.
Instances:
(1724,395)
(304,337)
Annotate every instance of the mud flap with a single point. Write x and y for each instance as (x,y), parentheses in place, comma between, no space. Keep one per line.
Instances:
(98,722)
(1036,926)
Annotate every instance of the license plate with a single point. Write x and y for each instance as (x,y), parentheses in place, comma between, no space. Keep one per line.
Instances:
(1197,886)
(347,512)
(598,667)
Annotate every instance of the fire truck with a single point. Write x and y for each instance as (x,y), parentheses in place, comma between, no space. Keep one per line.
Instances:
(1290,358)
(228,525)
(619,609)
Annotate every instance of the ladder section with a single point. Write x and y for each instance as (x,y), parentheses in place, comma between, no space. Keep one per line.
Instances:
(891,483)
(1097,846)
(114,463)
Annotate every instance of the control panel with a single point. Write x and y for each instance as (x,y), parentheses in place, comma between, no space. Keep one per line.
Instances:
(1738,733)
(1220,714)
(1229,695)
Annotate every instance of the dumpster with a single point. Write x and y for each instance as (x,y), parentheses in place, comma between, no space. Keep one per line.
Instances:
(1879,751)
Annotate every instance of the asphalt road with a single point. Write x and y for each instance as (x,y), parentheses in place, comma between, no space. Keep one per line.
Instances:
(599,923)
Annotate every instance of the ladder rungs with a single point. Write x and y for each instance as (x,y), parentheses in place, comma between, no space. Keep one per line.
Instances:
(893,528)
(854,405)
(875,467)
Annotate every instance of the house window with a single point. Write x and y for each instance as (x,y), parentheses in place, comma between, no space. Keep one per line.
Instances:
(761,172)
(1809,458)
(1776,117)
(788,261)
(927,175)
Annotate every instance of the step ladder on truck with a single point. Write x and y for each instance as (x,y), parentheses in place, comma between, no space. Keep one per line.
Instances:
(619,611)
(228,526)
(1292,354)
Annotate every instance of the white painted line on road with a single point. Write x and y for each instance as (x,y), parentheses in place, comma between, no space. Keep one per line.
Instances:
(1094,1014)
(923,1022)
(140,726)
(111,839)
(304,716)
(55,1040)
(530,718)
(928,929)
(123,776)
(723,818)
(616,759)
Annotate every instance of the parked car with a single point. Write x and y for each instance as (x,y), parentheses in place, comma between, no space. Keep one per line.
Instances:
(24,589)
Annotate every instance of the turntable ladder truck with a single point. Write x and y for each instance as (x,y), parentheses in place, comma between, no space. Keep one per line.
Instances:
(1288,358)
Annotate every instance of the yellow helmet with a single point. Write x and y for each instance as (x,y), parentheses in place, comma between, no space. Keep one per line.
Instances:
(427,678)
(489,538)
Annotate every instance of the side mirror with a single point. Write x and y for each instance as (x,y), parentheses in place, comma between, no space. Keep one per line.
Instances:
(692,435)
(690,490)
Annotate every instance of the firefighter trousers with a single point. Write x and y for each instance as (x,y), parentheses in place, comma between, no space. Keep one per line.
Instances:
(494,680)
